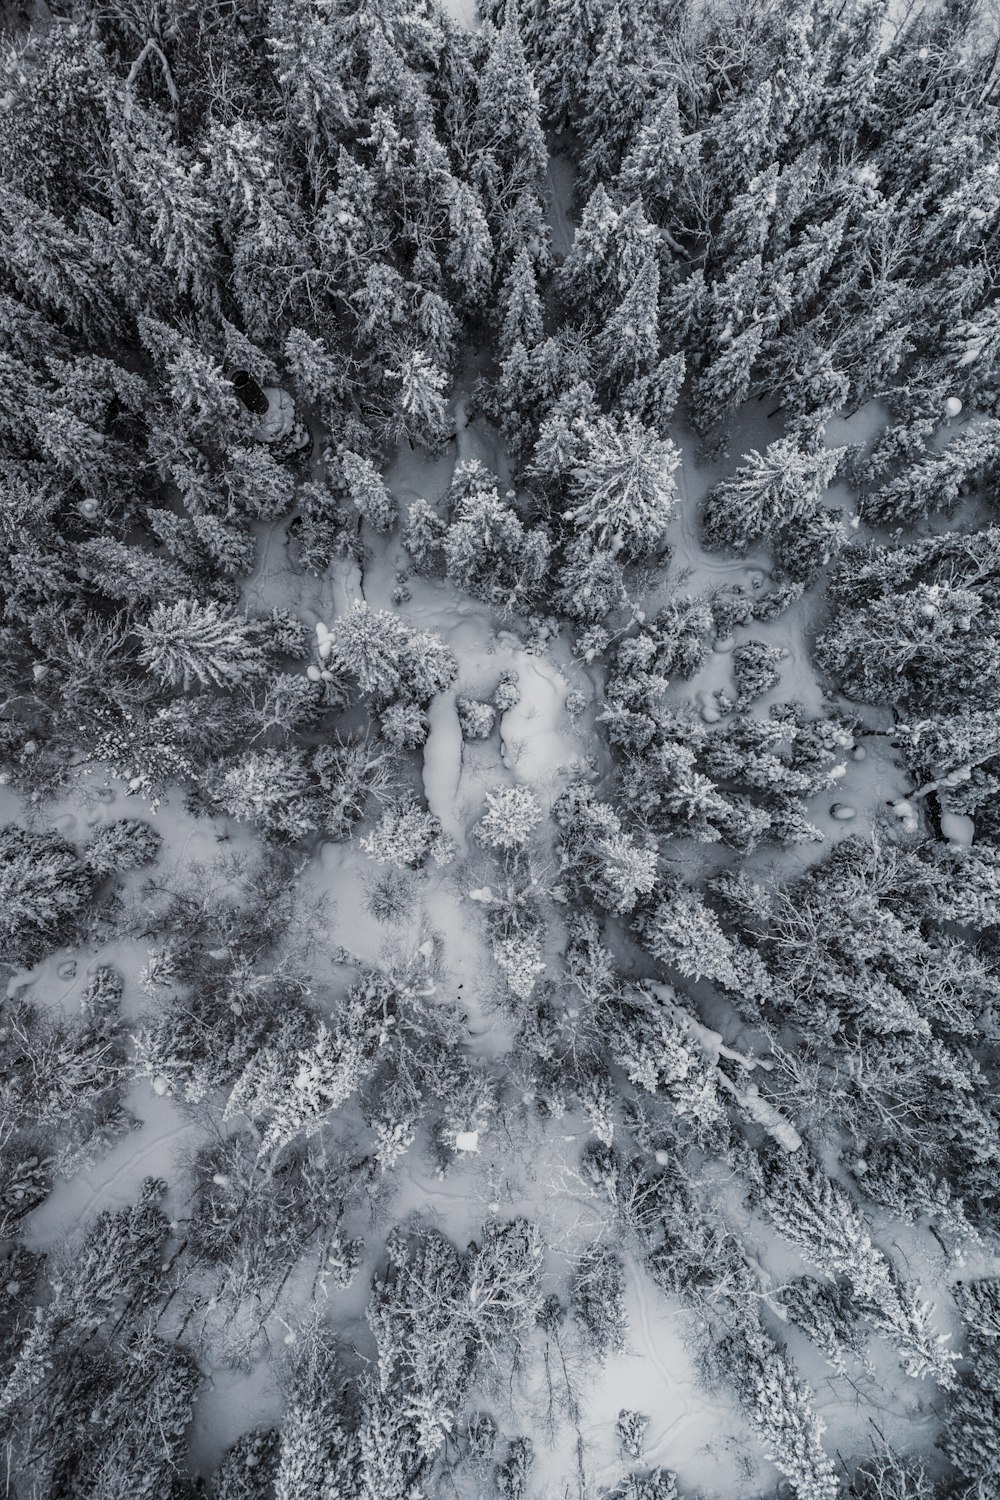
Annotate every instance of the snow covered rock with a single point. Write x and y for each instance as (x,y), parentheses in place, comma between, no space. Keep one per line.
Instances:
(957,829)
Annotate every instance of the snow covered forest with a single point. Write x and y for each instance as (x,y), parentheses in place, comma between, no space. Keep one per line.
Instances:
(500,751)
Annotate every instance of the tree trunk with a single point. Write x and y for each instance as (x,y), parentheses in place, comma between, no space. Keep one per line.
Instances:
(249,392)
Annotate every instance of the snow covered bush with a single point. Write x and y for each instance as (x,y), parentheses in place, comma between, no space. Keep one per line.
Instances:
(507,694)
(406,835)
(44,889)
(123,845)
(489,551)
(511,817)
(477,719)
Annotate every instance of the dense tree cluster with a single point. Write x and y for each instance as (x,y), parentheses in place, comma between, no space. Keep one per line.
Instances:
(251,258)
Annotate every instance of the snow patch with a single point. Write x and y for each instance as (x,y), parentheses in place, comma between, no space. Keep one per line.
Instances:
(957,829)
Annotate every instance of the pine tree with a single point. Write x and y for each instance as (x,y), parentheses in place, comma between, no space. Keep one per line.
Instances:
(927,648)
(511,816)
(44,888)
(388,658)
(782,484)
(972,1431)
(119,571)
(521,307)
(52,265)
(187,643)
(175,208)
(600,855)
(491,554)
(590,583)
(588,271)
(938,481)
(368,491)
(470,249)
(510,155)
(778,1404)
(726,380)
(815,1213)
(318,1454)
(563,36)
(319,375)
(629,343)
(201,396)
(686,934)
(612,100)
(420,413)
(656,163)
(624,489)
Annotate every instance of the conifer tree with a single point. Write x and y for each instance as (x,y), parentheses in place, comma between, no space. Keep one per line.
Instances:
(187,643)
(44,888)
(368,491)
(782,484)
(388,658)
(629,342)
(624,491)
(509,147)
(816,1214)
(613,96)
(521,306)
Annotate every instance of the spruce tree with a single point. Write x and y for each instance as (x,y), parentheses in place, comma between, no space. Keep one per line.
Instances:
(189,643)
